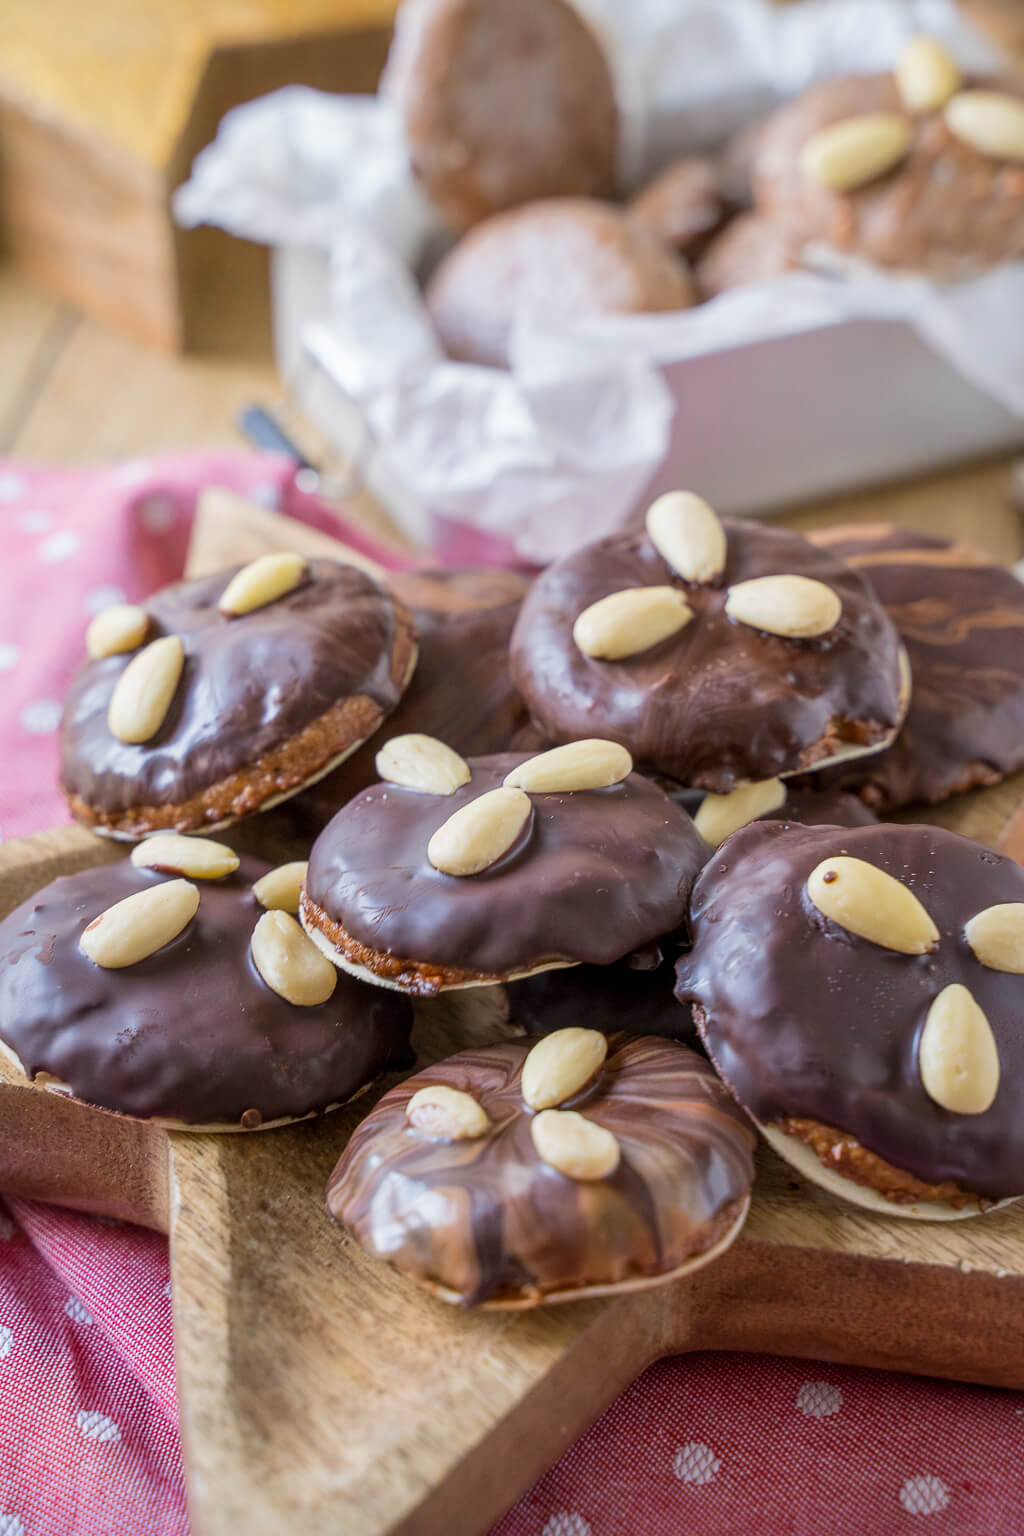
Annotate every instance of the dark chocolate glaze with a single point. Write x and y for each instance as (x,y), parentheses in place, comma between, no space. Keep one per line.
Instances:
(808,806)
(718,701)
(192,1033)
(461,691)
(805,1020)
(486,1218)
(596,875)
(248,685)
(634,994)
(962,621)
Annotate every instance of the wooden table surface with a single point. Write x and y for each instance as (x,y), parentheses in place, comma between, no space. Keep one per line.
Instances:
(74,389)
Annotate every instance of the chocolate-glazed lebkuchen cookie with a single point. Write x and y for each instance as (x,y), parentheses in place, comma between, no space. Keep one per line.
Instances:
(187,993)
(221,696)
(461,691)
(455,873)
(961,619)
(915,169)
(636,994)
(861,991)
(716,652)
(526,1173)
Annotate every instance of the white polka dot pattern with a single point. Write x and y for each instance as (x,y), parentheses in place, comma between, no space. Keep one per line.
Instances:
(567,1523)
(41,716)
(60,546)
(924,1495)
(6,1341)
(819,1399)
(695,1462)
(77,1313)
(97,1426)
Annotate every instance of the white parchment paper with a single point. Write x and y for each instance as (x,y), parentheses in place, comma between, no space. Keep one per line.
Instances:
(556,450)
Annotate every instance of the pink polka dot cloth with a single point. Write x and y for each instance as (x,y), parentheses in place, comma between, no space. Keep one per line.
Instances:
(702,1445)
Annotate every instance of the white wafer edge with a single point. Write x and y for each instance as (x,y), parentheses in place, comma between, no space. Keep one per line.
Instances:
(44,1083)
(363,973)
(806,1162)
(852,749)
(582,1292)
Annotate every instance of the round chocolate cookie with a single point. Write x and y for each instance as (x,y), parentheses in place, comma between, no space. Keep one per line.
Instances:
(528,1173)
(684,205)
(862,993)
(749,250)
(717,676)
(461,690)
(212,709)
(502,103)
(480,880)
(562,258)
(943,207)
(635,994)
(189,1033)
(961,619)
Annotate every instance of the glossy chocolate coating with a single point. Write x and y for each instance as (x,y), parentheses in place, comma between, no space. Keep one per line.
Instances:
(804,1019)
(461,691)
(596,875)
(192,1033)
(249,684)
(810,807)
(962,621)
(634,994)
(487,1219)
(718,701)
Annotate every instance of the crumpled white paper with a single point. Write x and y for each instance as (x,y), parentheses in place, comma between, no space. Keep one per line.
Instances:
(557,450)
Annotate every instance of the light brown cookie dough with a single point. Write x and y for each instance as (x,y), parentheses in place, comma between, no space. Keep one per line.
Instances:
(503,103)
(564,257)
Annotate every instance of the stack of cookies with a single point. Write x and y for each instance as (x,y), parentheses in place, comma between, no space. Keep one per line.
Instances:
(511,122)
(653,828)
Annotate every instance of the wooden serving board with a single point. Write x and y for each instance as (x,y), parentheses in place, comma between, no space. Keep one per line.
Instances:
(321,1394)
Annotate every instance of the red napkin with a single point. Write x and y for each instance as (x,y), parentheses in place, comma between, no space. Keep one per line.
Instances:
(704,1445)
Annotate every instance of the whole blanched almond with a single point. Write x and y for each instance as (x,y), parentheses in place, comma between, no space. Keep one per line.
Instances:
(138,926)
(957,1054)
(573,1145)
(991,122)
(261,582)
(142,694)
(855,150)
(422,763)
(866,901)
(996,936)
(480,833)
(290,964)
(796,607)
(591,764)
(560,1065)
(927,75)
(200,858)
(627,622)
(719,816)
(279,889)
(687,534)
(115,630)
(446,1113)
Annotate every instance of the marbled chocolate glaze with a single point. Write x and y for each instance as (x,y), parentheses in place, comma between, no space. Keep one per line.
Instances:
(486,1219)
(718,701)
(248,685)
(806,1020)
(596,875)
(461,691)
(962,621)
(193,1033)
(635,994)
